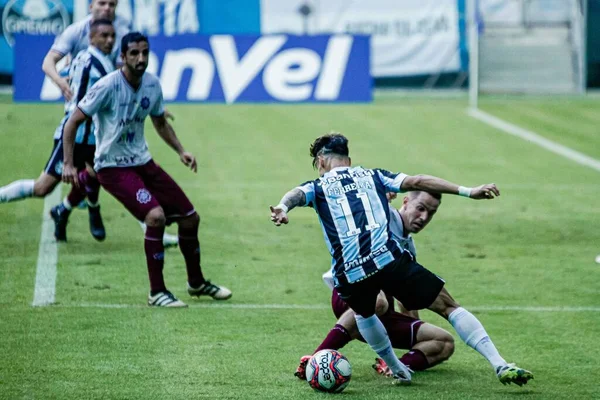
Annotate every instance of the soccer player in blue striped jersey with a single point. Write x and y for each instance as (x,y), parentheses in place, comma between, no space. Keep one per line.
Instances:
(352,207)
(87,68)
(428,344)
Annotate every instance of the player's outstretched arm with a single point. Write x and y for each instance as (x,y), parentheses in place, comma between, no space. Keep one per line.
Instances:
(69,174)
(434,184)
(291,199)
(166,132)
(49,67)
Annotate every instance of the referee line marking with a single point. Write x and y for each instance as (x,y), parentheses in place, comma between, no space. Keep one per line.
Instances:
(305,307)
(45,276)
(535,138)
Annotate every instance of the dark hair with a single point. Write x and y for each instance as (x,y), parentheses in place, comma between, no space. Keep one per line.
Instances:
(414,194)
(332,143)
(132,37)
(99,22)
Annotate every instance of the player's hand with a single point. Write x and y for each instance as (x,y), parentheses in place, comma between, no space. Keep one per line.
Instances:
(69,175)
(169,115)
(487,191)
(189,160)
(278,216)
(391,196)
(63,85)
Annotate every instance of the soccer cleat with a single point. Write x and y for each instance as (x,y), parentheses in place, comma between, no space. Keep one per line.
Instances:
(511,373)
(170,240)
(381,368)
(96,224)
(165,299)
(402,377)
(301,370)
(209,289)
(60,215)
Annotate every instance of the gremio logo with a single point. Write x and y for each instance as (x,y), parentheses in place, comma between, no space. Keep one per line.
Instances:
(34,17)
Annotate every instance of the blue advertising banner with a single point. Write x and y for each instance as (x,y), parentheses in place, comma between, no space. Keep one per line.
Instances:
(229,69)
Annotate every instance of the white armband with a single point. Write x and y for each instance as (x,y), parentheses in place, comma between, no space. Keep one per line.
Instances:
(283,207)
(464,191)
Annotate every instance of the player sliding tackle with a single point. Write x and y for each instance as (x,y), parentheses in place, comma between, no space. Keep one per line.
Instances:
(352,207)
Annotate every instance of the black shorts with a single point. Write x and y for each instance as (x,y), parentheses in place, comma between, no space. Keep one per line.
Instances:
(404,279)
(82,154)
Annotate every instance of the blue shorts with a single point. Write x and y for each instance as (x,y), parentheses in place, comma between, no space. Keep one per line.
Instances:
(82,154)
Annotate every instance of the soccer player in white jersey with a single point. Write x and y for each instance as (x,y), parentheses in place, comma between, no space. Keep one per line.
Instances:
(120,103)
(352,207)
(431,344)
(71,42)
(88,67)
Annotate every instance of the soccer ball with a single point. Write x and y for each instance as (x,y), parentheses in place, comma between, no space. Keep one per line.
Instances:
(328,371)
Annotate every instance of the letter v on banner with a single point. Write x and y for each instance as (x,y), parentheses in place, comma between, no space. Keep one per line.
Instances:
(334,67)
(236,73)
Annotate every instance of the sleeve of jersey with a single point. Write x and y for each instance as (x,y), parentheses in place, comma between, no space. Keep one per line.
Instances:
(65,42)
(96,98)
(309,190)
(159,106)
(390,180)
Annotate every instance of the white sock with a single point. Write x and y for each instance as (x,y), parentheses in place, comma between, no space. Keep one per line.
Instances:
(17,190)
(472,332)
(373,331)
(67,204)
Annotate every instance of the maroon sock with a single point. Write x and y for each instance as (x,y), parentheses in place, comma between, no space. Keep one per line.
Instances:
(91,186)
(78,194)
(190,248)
(337,338)
(415,360)
(155,257)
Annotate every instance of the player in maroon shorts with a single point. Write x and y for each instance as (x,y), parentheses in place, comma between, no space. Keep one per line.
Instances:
(121,101)
(429,345)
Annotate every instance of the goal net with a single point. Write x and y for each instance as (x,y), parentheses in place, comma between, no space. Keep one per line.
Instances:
(526,46)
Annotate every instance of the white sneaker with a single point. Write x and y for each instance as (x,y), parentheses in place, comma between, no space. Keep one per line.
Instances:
(165,299)
(170,240)
(209,289)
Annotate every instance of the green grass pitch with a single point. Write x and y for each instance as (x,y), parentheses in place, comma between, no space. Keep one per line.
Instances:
(534,247)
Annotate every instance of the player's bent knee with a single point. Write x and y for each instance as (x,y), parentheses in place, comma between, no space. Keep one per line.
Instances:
(156,217)
(42,188)
(448,349)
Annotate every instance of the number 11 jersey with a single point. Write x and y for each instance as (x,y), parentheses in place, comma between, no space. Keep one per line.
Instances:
(354,215)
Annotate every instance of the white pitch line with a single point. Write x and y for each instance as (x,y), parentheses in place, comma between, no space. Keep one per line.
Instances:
(567,309)
(534,138)
(45,276)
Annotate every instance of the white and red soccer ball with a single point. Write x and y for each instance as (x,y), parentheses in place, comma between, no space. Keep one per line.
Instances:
(328,371)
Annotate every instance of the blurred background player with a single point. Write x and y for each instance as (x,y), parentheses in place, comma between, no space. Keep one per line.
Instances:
(429,345)
(75,38)
(68,44)
(352,208)
(120,103)
(86,69)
